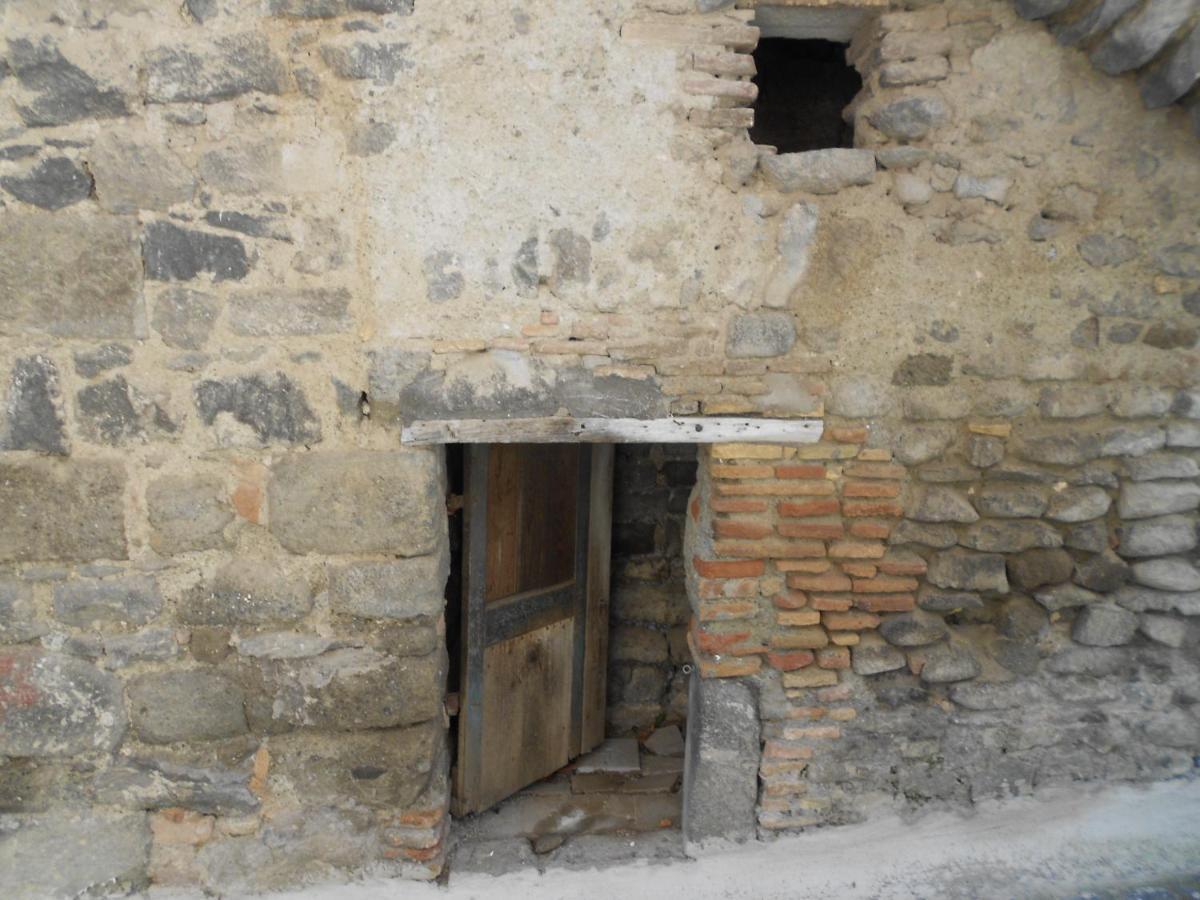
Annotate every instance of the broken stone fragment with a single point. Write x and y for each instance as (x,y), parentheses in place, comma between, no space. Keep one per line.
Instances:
(948,664)
(63,92)
(1143,499)
(968,571)
(273,409)
(1167,574)
(186,513)
(194,705)
(179,254)
(32,413)
(52,184)
(226,68)
(1104,625)
(120,601)
(913,629)
(819,171)
(760,335)
(912,118)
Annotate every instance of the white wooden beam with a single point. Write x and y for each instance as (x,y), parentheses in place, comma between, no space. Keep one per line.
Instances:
(565,430)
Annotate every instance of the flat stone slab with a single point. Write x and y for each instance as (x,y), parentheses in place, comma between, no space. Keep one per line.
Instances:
(619,755)
(608,783)
(666,741)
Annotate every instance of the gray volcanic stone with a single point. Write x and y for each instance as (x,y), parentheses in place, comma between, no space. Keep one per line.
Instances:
(159,784)
(1072,401)
(359,61)
(90,363)
(1129,440)
(1011,501)
(248,591)
(398,589)
(1097,662)
(1104,572)
(274,408)
(1142,599)
(967,571)
(1157,537)
(67,706)
(244,223)
(283,645)
(69,276)
(1107,250)
(279,313)
(1143,499)
(1039,9)
(1081,504)
(54,510)
(1139,401)
(18,613)
(194,705)
(1092,23)
(1136,40)
(1104,625)
(981,697)
(936,600)
(947,664)
(1037,567)
(940,504)
(916,444)
(359,502)
(1020,619)
(1163,629)
(1010,536)
(113,413)
(1089,536)
(1065,596)
(1167,574)
(187,512)
(819,171)
(227,68)
(760,335)
(185,318)
(76,853)
(1181,260)
(875,659)
(136,174)
(32,420)
(859,397)
(65,93)
(1171,336)
(1165,83)
(924,369)
(328,9)
(913,629)
(1183,434)
(1071,448)
(53,183)
(912,118)
(179,254)
(119,601)
(941,537)
(984,451)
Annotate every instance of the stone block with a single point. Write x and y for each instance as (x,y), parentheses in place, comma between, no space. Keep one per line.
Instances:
(1065,596)
(1144,499)
(1072,401)
(911,118)
(1011,501)
(359,502)
(1104,625)
(180,254)
(90,363)
(631,643)
(385,769)
(1037,567)
(114,413)
(1164,629)
(32,414)
(760,335)
(1138,38)
(247,591)
(343,690)
(139,174)
(720,778)
(114,601)
(62,92)
(246,168)
(187,512)
(819,171)
(1010,536)
(18,614)
(76,853)
(359,61)
(57,705)
(271,409)
(1156,466)
(914,629)
(179,706)
(967,571)
(1104,572)
(328,9)
(1161,536)
(940,504)
(284,313)
(61,510)
(69,276)
(1167,574)
(1080,504)
(54,183)
(859,397)
(185,318)
(949,664)
(874,657)
(397,589)
(226,68)
(158,784)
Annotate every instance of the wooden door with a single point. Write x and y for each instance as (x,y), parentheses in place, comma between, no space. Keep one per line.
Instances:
(537,538)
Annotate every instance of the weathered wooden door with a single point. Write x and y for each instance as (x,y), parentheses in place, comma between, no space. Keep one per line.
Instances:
(538,531)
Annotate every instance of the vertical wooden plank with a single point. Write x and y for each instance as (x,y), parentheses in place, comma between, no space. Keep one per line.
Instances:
(599,560)
(475,556)
(502,484)
(583,482)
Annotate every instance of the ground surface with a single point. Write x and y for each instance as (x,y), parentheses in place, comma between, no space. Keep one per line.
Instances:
(1125,842)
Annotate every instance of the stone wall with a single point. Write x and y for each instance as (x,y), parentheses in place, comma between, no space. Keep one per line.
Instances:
(241,240)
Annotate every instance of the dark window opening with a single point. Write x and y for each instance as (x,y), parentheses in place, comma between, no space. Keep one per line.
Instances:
(803,87)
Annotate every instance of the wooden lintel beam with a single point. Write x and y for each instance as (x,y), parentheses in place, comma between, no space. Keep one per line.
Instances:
(676,430)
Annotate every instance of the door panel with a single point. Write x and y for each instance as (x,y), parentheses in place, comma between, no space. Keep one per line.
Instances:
(535,588)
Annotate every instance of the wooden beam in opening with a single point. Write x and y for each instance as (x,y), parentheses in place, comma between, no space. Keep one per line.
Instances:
(678,430)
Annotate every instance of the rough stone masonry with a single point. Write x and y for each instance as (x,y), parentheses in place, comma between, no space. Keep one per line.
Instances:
(242,240)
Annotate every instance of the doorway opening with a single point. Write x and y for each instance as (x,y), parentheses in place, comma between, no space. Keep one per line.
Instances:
(804,85)
(539,765)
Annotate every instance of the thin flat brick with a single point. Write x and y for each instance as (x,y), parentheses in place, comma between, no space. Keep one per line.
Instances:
(875,530)
(875,470)
(747,451)
(808,509)
(741,528)
(828,602)
(727,471)
(833,658)
(844,638)
(737,667)
(866,509)
(811,677)
(829,581)
(736,505)
(798,617)
(875,454)
(790,661)
(807,713)
(857,549)
(839,694)
(791,600)
(849,621)
(827,451)
(729,568)
(871,489)
(810,638)
(859,569)
(723,610)
(811,733)
(771,549)
(727,588)
(884,585)
(886,602)
(823,531)
(808,566)
(709,642)
(800,471)
(781,750)
(798,488)
(845,435)
(903,566)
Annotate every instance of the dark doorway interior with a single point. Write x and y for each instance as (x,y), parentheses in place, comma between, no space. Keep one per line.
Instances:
(803,87)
